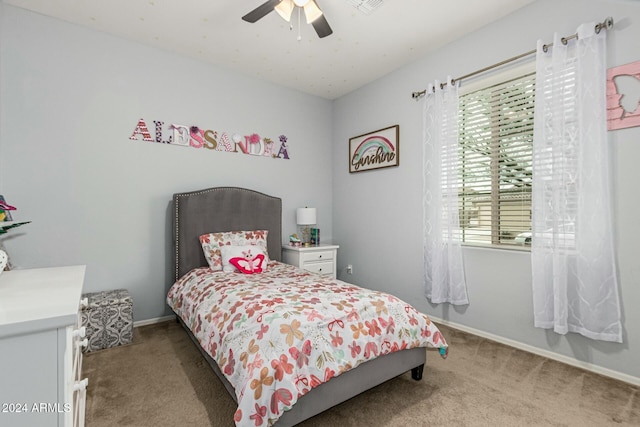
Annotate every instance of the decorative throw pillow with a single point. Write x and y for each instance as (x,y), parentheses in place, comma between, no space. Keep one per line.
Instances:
(247,259)
(212,242)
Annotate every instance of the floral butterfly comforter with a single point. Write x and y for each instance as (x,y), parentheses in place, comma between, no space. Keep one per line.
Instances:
(278,334)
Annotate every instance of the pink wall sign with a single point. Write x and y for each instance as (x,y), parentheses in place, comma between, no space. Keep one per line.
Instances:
(623,96)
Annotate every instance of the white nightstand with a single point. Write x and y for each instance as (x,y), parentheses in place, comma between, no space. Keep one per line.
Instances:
(320,259)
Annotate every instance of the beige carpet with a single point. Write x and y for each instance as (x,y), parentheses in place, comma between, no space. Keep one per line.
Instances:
(162,380)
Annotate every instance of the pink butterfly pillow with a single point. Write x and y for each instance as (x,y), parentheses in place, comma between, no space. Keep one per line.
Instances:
(212,242)
(247,259)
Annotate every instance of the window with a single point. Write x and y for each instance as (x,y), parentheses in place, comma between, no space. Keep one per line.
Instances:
(496,138)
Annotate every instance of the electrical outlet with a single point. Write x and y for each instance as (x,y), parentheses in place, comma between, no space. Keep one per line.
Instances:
(349,269)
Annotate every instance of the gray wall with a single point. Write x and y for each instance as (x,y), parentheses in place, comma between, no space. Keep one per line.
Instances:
(377,214)
(71,97)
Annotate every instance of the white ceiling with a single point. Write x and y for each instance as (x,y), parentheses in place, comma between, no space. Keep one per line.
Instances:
(361,49)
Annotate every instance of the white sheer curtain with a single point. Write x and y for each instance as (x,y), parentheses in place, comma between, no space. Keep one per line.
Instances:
(575,288)
(444,269)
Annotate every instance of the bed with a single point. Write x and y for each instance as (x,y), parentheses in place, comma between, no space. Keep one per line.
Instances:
(286,374)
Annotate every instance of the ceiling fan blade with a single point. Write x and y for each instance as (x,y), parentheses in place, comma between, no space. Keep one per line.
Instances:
(260,11)
(322,27)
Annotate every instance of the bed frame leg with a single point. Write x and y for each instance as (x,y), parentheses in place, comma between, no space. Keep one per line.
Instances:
(416,373)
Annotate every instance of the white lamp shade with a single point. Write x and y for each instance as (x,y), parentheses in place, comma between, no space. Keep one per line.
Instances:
(306,216)
(285,9)
(312,11)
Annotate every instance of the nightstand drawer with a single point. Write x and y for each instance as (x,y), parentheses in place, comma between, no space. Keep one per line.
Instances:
(320,259)
(317,256)
(320,267)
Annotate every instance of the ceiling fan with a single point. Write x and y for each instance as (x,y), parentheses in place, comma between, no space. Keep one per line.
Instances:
(285,9)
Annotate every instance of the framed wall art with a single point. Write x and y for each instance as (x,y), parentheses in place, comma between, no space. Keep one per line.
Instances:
(623,96)
(375,150)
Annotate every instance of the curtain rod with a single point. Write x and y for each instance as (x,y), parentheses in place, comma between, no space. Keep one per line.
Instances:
(606,24)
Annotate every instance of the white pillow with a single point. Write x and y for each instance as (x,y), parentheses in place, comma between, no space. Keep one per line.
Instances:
(248,258)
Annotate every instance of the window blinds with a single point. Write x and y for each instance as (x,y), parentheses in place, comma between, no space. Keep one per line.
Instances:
(496,137)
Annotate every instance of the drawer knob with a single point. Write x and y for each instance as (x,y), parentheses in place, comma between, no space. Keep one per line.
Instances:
(84,302)
(80,332)
(319,256)
(84,342)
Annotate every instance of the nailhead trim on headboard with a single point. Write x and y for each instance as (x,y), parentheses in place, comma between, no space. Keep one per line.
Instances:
(272,204)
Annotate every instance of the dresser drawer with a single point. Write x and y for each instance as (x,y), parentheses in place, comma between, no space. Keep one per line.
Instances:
(319,267)
(75,387)
(317,256)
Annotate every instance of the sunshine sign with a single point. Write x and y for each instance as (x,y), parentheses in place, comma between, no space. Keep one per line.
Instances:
(375,150)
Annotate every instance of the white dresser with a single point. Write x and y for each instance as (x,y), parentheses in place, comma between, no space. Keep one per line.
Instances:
(41,348)
(320,259)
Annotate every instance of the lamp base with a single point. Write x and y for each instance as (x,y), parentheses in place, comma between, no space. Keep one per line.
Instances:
(305,235)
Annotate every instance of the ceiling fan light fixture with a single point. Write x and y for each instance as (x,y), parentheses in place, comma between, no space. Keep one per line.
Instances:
(312,11)
(285,9)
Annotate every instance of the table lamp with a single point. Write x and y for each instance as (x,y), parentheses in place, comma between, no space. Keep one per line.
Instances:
(305,218)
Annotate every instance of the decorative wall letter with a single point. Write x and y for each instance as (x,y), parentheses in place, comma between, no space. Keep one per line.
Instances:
(225,144)
(180,135)
(159,125)
(141,129)
(197,137)
(283,147)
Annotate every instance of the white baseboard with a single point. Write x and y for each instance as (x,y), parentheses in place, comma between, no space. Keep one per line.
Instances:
(153,321)
(544,353)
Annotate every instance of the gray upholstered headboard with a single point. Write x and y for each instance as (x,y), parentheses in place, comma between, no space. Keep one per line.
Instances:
(222,209)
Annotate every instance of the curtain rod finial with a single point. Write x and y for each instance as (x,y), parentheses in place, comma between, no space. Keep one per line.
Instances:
(608,23)
(418,95)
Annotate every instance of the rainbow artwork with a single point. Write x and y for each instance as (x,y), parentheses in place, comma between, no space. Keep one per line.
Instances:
(375,150)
